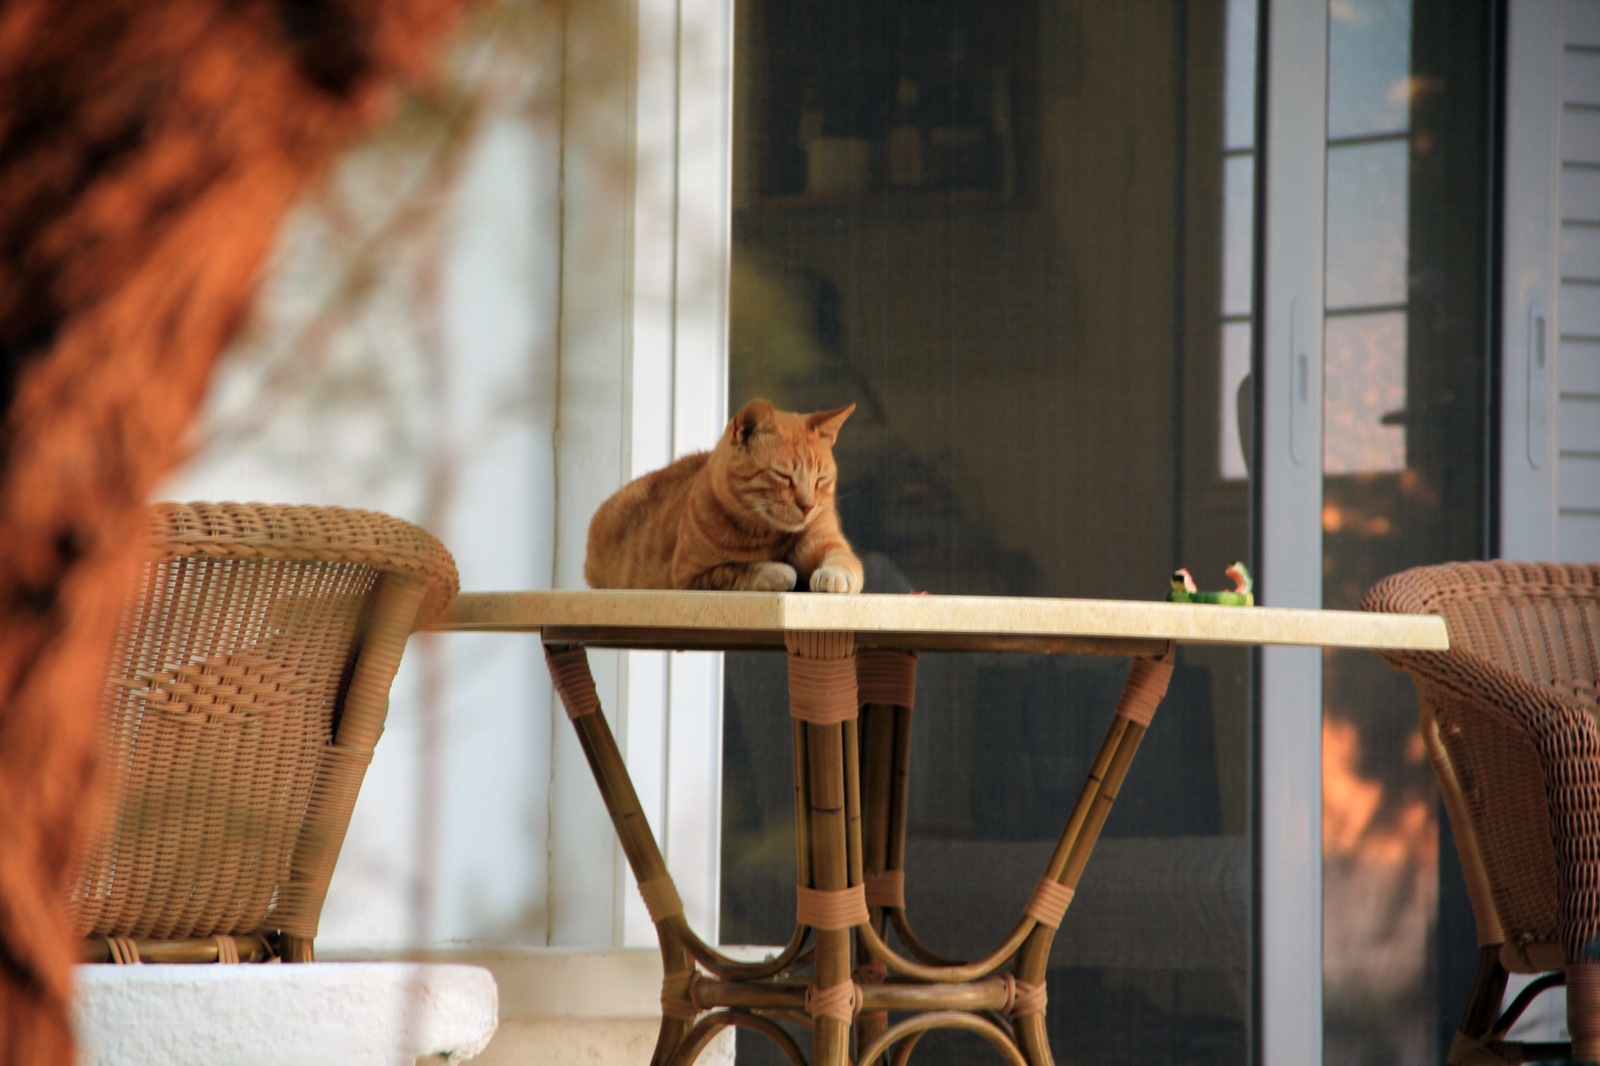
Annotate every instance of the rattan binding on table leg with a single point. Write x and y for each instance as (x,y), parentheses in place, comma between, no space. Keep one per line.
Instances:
(886,888)
(843,908)
(1026,998)
(839,1002)
(677,995)
(569,670)
(660,898)
(1049,902)
(822,691)
(886,675)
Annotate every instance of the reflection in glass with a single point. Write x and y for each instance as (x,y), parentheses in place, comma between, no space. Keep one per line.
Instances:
(1380,861)
(1235,368)
(1405,466)
(1365,361)
(1240,90)
(1238,249)
(1013,269)
(1369,67)
(1368,194)
(1238,240)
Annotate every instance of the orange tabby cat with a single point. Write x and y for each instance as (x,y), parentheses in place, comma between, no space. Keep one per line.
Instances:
(754,513)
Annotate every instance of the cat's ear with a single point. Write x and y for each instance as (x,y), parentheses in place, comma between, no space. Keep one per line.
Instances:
(825,424)
(751,417)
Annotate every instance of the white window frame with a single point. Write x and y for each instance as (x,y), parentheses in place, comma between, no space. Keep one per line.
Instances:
(1289,898)
(1288,366)
(646,163)
(1532,277)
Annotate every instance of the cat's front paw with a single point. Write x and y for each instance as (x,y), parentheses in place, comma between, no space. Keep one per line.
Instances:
(771,577)
(834,579)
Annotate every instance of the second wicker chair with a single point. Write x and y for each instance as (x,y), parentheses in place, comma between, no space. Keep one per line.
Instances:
(1509,721)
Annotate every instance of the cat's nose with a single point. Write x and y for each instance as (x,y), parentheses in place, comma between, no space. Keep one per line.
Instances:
(805,508)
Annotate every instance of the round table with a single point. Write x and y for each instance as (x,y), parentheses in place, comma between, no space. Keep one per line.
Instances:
(852,669)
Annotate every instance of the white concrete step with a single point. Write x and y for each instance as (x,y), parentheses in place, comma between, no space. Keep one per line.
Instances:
(323,1013)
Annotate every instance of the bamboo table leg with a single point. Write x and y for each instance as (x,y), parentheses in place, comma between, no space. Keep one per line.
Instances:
(569,669)
(822,697)
(877,770)
(851,848)
(1145,688)
(679,1040)
(886,688)
(1030,940)
(886,681)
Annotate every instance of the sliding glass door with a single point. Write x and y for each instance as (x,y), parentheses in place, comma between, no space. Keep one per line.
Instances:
(1405,482)
(1103,316)
(1001,231)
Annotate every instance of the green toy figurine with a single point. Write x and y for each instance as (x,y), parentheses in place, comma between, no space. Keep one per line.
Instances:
(1184,590)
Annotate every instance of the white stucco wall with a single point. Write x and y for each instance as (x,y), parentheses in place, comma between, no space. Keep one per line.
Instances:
(461,440)
(489,341)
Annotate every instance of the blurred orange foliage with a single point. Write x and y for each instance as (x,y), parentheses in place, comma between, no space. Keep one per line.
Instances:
(148,150)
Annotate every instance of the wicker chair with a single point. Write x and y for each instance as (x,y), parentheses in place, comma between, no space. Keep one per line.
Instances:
(1509,721)
(248,684)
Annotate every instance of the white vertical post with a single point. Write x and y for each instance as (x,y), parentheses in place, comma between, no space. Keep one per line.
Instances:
(1529,330)
(646,154)
(651,312)
(592,449)
(700,407)
(1289,741)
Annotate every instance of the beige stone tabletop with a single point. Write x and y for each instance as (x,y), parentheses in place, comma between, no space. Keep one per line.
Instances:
(730,620)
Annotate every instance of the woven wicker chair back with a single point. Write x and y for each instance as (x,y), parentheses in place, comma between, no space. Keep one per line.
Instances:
(1537,620)
(1519,747)
(247,687)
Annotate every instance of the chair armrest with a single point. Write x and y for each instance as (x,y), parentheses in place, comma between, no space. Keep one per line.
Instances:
(1469,676)
(1566,738)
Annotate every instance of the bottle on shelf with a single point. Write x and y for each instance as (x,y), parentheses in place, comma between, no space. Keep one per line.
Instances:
(961,140)
(905,138)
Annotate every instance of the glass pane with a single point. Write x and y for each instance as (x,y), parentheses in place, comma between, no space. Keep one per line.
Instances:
(1365,395)
(1235,399)
(1368,195)
(998,229)
(1238,243)
(1240,122)
(1369,67)
(1405,464)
